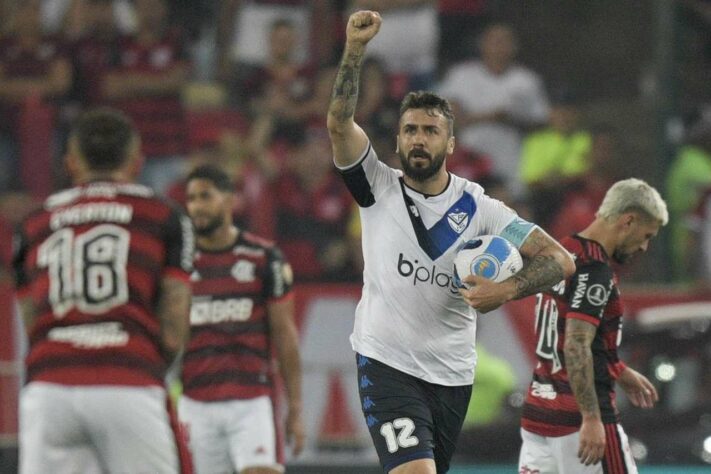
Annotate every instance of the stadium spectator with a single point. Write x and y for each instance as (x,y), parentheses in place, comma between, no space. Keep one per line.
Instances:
(699,229)
(244,29)
(33,69)
(242,312)
(411,60)
(553,157)
(312,212)
(102,273)
(570,420)
(414,330)
(689,175)
(146,84)
(495,381)
(280,74)
(377,109)
(460,21)
(496,100)
(579,203)
(70,18)
(94,52)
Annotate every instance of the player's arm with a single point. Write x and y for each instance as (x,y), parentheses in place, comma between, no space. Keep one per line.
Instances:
(579,335)
(175,295)
(173,312)
(641,392)
(348,139)
(25,303)
(546,263)
(284,337)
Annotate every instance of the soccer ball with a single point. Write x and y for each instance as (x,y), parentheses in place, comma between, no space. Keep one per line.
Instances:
(489,256)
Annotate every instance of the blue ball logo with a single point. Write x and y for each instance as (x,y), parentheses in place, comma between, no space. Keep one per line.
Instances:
(485,266)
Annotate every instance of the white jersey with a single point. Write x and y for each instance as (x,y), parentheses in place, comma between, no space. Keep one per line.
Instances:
(411,316)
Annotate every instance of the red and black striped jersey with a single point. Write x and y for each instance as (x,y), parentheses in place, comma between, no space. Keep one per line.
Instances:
(91,261)
(590,294)
(229,353)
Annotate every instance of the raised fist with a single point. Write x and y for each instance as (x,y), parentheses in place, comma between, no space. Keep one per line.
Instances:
(362,26)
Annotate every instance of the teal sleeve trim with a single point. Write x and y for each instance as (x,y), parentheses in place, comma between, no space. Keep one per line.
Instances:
(517,231)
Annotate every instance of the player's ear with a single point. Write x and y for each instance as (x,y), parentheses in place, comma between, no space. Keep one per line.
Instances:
(135,158)
(397,145)
(450,145)
(627,219)
(72,160)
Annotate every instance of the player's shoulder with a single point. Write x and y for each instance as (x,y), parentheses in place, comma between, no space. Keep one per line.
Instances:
(586,252)
(254,241)
(523,73)
(458,185)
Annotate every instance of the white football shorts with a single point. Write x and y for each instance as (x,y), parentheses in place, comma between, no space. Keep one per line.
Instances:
(559,454)
(96,429)
(230,435)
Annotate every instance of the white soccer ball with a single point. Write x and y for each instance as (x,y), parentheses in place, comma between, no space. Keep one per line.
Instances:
(489,256)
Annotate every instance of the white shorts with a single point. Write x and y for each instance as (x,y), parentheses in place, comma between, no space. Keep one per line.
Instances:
(231,435)
(559,454)
(96,429)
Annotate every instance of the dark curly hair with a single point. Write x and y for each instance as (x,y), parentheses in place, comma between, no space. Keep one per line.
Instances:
(428,101)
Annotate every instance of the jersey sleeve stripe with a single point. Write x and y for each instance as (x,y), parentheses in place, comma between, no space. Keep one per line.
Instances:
(357,181)
(583,317)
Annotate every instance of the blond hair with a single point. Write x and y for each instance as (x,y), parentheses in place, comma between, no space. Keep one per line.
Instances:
(633,195)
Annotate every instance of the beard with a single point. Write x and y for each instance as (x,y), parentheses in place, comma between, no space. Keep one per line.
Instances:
(209,227)
(621,257)
(425,172)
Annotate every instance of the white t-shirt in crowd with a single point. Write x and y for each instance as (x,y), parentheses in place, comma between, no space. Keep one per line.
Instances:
(518,91)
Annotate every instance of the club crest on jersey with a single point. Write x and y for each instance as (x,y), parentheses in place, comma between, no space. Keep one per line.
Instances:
(243,271)
(458,221)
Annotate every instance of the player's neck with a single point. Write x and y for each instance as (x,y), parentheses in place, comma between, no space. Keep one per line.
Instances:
(223,237)
(433,186)
(118,176)
(601,232)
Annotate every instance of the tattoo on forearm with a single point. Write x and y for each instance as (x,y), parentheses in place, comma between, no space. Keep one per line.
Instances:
(345,89)
(542,272)
(578,363)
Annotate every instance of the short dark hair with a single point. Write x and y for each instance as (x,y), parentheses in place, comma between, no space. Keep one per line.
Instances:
(428,101)
(104,136)
(216,175)
(281,23)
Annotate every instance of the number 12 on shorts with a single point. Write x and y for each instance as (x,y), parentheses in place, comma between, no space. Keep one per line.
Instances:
(398,434)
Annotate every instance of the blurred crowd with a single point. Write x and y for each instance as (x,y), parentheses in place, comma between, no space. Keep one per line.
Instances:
(246,84)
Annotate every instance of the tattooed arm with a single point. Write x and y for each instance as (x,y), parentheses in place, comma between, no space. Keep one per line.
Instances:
(579,366)
(546,263)
(347,138)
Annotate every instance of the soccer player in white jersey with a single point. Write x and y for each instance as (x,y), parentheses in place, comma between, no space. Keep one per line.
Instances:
(414,330)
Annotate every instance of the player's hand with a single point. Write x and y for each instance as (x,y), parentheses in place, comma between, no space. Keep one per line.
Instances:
(295,432)
(592,441)
(363,26)
(483,294)
(638,388)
